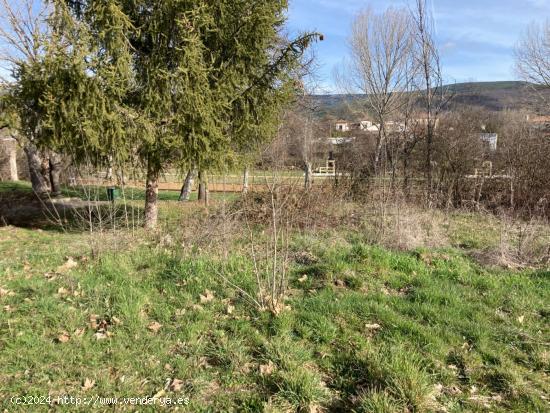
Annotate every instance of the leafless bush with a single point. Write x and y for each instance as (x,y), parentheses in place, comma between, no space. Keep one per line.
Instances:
(404,226)
(325,206)
(521,243)
(268,246)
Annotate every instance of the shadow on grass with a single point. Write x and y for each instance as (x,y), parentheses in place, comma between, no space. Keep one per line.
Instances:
(81,208)
(99,193)
(76,211)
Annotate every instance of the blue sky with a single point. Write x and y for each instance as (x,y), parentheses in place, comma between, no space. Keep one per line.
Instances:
(476,37)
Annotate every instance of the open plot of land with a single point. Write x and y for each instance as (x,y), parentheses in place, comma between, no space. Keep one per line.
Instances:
(365,329)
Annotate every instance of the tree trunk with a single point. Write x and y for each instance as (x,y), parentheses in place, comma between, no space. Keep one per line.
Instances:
(55,173)
(203,188)
(35,161)
(406,187)
(151,197)
(380,144)
(246,176)
(109,173)
(308,175)
(187,187)
(429,148)
(512,192)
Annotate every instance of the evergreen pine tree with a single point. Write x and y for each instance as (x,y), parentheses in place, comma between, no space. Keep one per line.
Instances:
(176,82)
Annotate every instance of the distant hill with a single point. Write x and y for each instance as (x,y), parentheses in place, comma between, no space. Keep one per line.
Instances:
(470,87)
(493,96)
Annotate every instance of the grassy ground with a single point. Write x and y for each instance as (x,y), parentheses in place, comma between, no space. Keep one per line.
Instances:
(366,329)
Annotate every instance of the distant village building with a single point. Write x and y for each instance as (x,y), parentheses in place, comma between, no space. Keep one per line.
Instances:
(342,126)
(369,126)
(491,139)
(421,121)
(541,123)
(365,124)
(537,119)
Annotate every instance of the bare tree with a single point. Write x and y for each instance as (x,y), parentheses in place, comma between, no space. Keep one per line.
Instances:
(533,54)
(430,82)
(299,134)
(23,30)
(407,140)
(380,65)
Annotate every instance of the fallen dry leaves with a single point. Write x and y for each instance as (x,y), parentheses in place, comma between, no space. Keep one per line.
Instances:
(159,394)
(67,266)
(176,385)
(154,327)
(79,332)
(62,292)
(6,293)
(180,312)
(230,309)
(521,319)
(50,276)
(267,369)
(102,335)
(207,297)
(93,321)
(63,337)
(88,384)
(101,327)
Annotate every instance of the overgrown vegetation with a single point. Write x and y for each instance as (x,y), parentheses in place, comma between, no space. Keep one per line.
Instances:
(363,328)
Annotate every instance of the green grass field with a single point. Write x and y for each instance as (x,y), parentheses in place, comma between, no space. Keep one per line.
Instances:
(366,329)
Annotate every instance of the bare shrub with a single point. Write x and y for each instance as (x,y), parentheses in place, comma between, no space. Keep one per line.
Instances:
(322,207)
(522,243)
(268,248)
(405,227)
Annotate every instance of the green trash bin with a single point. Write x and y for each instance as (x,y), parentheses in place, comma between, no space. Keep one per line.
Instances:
(112,193)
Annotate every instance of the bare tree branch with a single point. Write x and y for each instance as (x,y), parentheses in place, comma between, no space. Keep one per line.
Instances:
(22,30)
(533,54)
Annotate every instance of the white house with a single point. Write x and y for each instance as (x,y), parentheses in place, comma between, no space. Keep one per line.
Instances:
(342,126)
(490,139)
(365,125)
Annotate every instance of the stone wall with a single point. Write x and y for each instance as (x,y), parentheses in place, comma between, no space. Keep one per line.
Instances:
(8,159)
(13,162)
